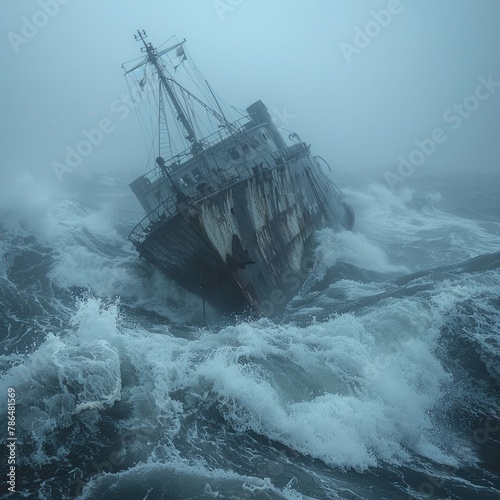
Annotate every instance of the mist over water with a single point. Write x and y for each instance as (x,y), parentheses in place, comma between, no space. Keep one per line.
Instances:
(382,375)
(380,380)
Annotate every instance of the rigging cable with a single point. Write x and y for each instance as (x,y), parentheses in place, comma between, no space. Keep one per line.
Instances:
(141,128)
(202,281)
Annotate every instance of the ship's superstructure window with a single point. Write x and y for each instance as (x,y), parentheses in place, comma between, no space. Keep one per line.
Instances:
(207,165)
(197,174)
(187,180)
(233,153)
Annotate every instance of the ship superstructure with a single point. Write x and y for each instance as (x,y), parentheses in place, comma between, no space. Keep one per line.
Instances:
(230,216)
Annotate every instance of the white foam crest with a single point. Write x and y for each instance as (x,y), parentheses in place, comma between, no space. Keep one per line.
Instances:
(186,480)
(60,380)
(67,375)
(63,223)
(483,331)
(123,277)
(379,210)
(352,248)
(80,267)
(89,252)
(351,290)
(156,292)
(374,403)
(69,230)
(94,321)
(466,286)
(112,271)
(352,391)
(385,216)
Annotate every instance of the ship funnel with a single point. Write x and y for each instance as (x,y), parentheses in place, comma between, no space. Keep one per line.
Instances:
(259,114)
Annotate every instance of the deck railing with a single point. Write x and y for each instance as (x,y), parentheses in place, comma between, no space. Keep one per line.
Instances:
(220,135)
(216,181)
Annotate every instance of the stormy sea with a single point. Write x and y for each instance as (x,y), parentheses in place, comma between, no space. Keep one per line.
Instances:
(380,381)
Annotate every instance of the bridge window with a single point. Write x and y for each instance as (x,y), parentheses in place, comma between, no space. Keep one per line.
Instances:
(197,174)
(233,153)
(187,180)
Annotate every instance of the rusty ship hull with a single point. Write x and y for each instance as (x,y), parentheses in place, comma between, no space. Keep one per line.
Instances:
(246,245)
(229,217)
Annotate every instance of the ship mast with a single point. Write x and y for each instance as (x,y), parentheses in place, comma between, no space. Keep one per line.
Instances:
(153,59)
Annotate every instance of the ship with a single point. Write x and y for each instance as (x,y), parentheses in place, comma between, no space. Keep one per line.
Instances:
(230,214)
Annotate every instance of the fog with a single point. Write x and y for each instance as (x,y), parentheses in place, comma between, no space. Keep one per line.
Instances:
(361,81)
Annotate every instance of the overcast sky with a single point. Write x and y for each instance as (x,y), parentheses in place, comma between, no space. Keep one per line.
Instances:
(361,87)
